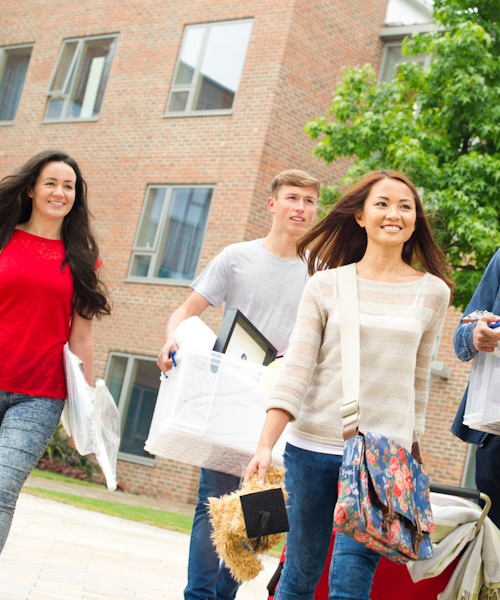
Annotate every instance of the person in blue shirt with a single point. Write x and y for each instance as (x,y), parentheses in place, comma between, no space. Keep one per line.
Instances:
(474,335)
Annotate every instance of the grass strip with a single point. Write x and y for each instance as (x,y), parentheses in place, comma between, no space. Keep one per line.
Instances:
(63,478)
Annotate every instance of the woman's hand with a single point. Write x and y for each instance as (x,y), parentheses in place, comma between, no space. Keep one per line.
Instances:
(276,421)
(260,463)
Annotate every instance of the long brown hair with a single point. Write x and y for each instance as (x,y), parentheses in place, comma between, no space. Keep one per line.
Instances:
(339,240)
(91,295)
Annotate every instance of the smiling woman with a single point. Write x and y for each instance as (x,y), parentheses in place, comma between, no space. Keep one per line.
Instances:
(380,226)
(53,196)
(49,292)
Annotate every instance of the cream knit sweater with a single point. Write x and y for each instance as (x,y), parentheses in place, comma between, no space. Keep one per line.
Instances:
(399,323)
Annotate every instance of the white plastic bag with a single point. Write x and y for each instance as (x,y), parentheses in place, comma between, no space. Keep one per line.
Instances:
(91,417)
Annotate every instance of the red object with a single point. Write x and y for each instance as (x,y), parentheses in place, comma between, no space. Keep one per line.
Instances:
(392,581)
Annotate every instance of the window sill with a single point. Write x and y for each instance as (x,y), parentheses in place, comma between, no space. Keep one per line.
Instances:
(74,120)
(160,281)
(6,123)
(198,113)
(138,460)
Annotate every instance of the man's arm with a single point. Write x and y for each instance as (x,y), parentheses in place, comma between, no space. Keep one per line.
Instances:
(192,307)
(473,337)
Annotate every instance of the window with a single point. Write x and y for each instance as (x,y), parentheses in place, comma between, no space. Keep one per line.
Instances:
(209,68)
(393,55)
(77,87)
(134,383)
(14,63)
(171,232)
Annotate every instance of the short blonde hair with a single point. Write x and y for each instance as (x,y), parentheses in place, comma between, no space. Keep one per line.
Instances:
(294,177)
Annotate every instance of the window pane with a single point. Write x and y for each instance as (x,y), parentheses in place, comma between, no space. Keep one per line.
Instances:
(12,76)
(178,101)
(60,82)
(151,217)
(140,266)
(91,78)
(183,235)
(222,66)
(190,53)
(139,409)
(392,57)
(116,375)
(55,108)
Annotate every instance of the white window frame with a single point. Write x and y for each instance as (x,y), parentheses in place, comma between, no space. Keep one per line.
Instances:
(3,50)
(122,401)
(71,78)
(154,251)
(191,87)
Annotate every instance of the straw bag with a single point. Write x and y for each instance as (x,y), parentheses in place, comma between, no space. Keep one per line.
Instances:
(383,490)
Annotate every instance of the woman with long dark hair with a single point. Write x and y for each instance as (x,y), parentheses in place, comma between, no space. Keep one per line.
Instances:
(404,290)
(50,291)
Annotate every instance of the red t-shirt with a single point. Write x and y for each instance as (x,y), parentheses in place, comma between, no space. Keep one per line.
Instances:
(36,304)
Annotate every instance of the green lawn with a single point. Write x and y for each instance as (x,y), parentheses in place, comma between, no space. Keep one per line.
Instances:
(150,516)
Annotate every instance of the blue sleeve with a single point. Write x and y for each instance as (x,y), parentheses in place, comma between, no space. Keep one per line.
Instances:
(485,298)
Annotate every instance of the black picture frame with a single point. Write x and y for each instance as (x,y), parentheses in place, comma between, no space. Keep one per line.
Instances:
(238,337)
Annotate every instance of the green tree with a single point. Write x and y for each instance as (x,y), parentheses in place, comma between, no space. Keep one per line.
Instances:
(439,124)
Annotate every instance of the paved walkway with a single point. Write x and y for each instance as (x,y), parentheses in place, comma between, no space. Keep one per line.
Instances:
(60,552)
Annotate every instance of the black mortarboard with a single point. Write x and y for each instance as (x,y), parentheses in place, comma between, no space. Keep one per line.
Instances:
(264,513)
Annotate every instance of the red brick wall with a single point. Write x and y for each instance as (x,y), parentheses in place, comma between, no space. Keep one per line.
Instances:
(443,453)
(295,57)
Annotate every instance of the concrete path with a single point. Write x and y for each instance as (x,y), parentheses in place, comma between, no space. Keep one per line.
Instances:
(60,552)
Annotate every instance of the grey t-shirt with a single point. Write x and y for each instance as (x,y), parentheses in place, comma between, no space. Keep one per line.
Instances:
(265,288)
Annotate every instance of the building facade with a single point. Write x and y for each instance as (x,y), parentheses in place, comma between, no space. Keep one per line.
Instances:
(179,115)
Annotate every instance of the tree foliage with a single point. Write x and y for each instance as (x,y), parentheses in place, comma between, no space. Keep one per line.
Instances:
(439,124)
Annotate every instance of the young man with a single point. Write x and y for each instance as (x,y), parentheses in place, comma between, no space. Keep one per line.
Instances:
(474,335)
(264,280)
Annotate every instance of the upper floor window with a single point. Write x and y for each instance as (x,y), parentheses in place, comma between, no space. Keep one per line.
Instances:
(13,68)
(77,87)
(393,55)
(208,71)
(170,235)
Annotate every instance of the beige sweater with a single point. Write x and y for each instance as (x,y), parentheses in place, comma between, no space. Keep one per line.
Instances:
(399,323)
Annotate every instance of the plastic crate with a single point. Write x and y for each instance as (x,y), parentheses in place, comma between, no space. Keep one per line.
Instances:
(210,412)
(482,410)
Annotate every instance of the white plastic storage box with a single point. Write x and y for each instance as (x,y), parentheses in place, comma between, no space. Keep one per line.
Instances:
(482,410)
(210,412)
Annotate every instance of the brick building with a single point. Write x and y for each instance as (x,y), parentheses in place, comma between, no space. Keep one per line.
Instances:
(180,114)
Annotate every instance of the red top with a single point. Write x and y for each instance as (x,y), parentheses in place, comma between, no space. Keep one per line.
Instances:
(36,304)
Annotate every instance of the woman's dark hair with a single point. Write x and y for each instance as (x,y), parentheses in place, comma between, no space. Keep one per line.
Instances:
(339,240)
(82,253)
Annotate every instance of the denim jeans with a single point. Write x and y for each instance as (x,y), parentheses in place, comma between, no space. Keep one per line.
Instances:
(352,570)
(207,578)
(311,480)
(488,474)
(26,426)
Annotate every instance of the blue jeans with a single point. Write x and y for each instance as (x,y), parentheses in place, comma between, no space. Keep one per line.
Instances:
(26,425)
(311,480)
(488,474)
(207,578)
